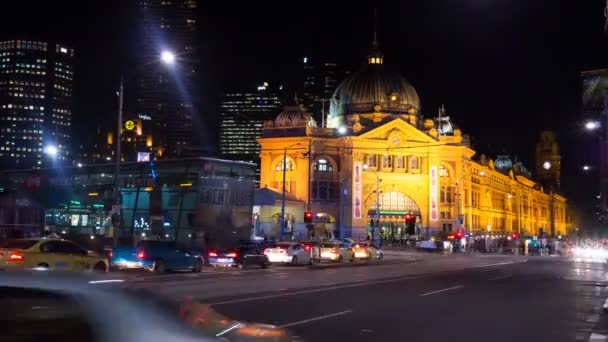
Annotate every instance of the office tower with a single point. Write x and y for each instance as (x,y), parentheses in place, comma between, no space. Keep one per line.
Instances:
(243,116)
(36,81)
(318,85)
(168,93)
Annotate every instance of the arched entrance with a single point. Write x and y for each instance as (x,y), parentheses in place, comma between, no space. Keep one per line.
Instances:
(399,217)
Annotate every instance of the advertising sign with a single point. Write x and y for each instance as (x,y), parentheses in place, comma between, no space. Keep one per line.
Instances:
(433,193)
(143,157)
(595,92)
(357,191)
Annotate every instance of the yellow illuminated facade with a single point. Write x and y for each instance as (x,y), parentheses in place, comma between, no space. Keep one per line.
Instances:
(378,161)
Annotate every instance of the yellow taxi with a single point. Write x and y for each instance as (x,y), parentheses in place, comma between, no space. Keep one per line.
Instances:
(51,254)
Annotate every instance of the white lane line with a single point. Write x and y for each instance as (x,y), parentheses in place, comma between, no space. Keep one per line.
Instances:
(496,264)
(442,290)
(597,337)
(315,319)
(252,299)
(500,277)
(605,306)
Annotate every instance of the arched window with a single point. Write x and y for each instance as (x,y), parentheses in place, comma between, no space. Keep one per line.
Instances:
(287,166)
(324,185)
(323,165)
(284,165)
(443,171)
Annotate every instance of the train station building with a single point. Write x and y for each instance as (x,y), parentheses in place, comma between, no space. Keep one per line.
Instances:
(378,163)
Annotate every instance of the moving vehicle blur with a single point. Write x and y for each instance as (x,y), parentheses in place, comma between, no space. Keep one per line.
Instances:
(50,254)
(289,252)
(55,306)
(241,257)
(365,250)
(155,255)
(336,252)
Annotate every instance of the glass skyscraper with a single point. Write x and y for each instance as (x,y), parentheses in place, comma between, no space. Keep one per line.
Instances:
(36,81)
(167,93)
(243,115)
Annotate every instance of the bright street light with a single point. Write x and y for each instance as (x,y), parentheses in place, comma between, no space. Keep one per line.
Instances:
(586,167)
(79,165)
(592,125)
(51,150)
(547,165)
(167,57)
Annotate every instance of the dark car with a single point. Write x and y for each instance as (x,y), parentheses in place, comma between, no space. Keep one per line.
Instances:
(241,257)
(155,255)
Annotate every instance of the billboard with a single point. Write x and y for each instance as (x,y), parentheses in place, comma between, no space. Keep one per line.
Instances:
(595,92)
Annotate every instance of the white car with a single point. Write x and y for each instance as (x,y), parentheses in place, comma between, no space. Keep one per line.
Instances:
(365,250)
(336,252)
(290,253)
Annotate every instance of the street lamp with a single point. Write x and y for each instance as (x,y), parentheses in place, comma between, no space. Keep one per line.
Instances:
(586,167)
(51,150)
(168,58)
(592,125)
(547,165)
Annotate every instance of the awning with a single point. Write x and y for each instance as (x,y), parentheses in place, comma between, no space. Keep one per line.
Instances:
(268,196)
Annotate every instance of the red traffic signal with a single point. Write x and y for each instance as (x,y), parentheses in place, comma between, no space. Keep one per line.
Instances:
(408,217)
(308,216)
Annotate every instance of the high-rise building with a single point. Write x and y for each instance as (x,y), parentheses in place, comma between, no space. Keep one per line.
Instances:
(35,103)
(593,145)
(318,85)
(243,116)
(137,141)
(167,93)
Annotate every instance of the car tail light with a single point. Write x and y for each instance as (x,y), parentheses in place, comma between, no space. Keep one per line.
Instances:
(307,248)
(212,254)
(14,256)
(265,251)
(335,251)
(141,255)
(232,255)
(110,254)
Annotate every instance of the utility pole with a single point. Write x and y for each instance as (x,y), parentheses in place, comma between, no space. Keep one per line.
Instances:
(343,209)
(282,223)
(116,208)
(309,173)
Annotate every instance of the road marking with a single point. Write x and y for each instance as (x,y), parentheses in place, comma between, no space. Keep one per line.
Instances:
(106,281)
(501,277)
(228,330)
(442,290)
(315,319)
(252,299)
(496,264)
(597,337)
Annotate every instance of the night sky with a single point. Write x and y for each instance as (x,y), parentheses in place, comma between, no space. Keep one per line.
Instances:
(505,69)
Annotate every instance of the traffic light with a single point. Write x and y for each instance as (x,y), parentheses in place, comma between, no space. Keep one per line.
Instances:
(308,216)
(408,218)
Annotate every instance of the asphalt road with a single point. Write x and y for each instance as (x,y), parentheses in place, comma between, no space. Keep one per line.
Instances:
(437,298)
